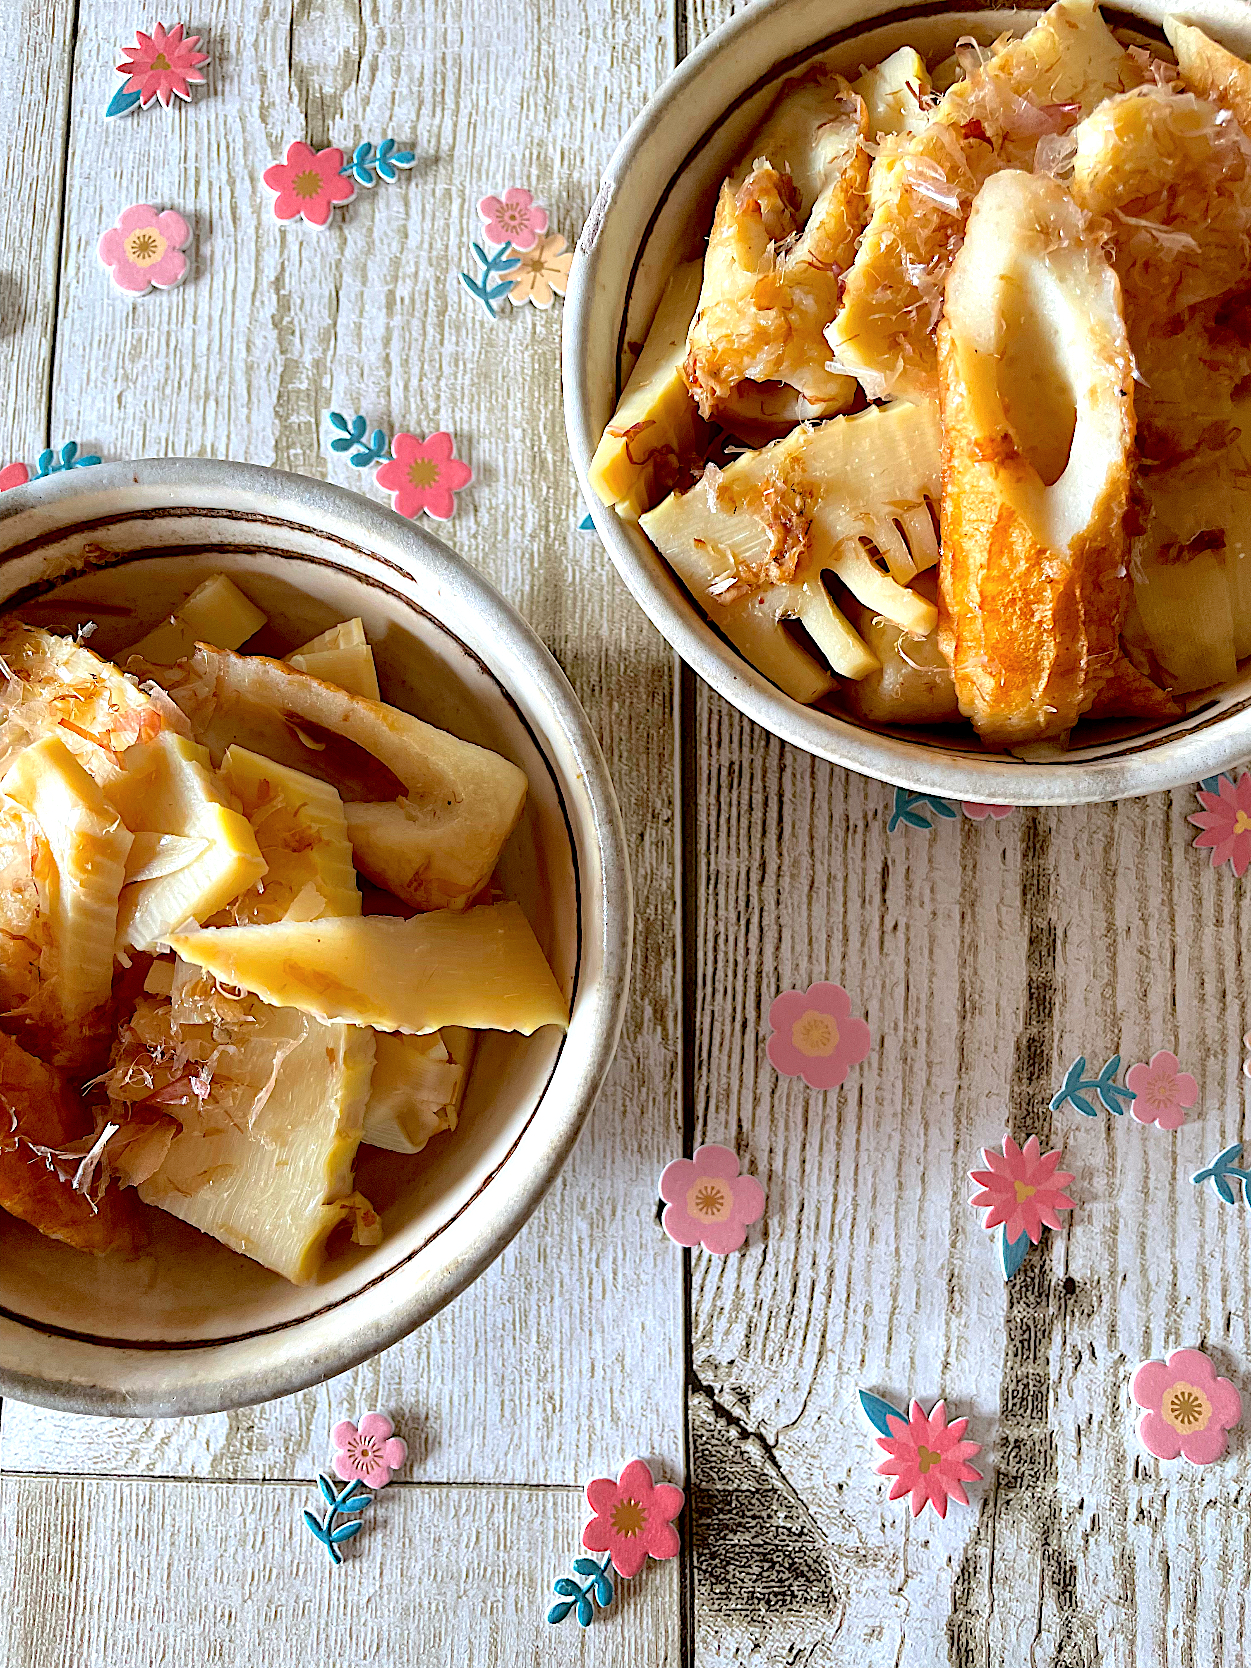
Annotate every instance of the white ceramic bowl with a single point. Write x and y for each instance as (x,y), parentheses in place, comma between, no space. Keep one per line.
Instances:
(188,1327)
(654,209)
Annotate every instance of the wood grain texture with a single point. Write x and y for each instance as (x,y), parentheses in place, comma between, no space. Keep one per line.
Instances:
(566,1358)
(128,1574)
(986,957)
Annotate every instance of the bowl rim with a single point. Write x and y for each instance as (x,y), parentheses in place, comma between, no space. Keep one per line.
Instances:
(473,1237)
(1205,750)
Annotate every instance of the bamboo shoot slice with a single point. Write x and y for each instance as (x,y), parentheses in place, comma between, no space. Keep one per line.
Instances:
(417,1088)
(656,424)
(1185,606)
(301,834)
(894,91)
(351,668)
(168,787)
(216,612)
(753,546)
(452,804)
(1211,71)
(274,1188)
(54,685)
(89,845)
(481,968)
(348,634)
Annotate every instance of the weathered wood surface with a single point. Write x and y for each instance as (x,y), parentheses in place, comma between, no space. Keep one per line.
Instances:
(567,1357)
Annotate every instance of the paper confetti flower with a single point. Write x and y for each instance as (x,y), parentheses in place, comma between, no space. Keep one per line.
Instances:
(633,1518)
(515,218)
(1022,1189)
(144,250)
(541,273)
(978,813)
(50,463)
(159,66)
(13,475)
(1226,822)
(1161,1092)
(929,1459)
(423,475)
(368,1453)
(1188,1409)
(707,1201)
(309,183)
(815,1036)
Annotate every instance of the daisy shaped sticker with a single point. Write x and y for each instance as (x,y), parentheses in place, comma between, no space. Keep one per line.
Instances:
(1226,822)
(159,68)
(708,1202)
(144,249)
(815,1035)
(927,1457)
(1022,1192)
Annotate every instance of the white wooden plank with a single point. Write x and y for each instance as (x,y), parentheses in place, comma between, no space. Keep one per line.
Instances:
(36,49)
(110,1574)
(986,957)
(567,1356)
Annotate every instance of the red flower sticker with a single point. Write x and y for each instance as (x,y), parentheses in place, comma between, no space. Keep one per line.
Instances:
(309,184)
(1226,822)
(633,1518)
(928,1458)
(423,475)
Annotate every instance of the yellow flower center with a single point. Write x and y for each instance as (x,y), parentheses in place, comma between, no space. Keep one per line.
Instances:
(628,1518)
(423,472)
(927,1459)
(815,1034)
(709,1200)
(1186,1408)
(1242,823)
(307,185)
(161,62)
(1024,1191)
(145,247)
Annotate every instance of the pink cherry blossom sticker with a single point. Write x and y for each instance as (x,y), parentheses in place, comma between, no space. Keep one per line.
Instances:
(1162,1093)
(144,249)
(423,475)
(977,812)
(1188,1409)
(368,1452)
(633,1518)
(513,218)
(708,1202)
(815,1035)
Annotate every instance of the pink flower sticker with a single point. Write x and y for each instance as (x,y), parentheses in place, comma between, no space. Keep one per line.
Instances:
(309,183)
(633,1518)
(928,1458)
(423,475)
(707,1201)
(369,1453)
(144,250)
(815,1036)
(1226,822)
(1162,1094)
(1022,1189)
(978,813)
(1188,1409)
(514,218)
(17,474)
(162,65)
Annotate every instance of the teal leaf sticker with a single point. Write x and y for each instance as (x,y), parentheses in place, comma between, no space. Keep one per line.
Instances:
(879,1413)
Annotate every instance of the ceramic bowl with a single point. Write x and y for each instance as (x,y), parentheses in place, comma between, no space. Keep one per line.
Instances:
(189,1327)
(653,210)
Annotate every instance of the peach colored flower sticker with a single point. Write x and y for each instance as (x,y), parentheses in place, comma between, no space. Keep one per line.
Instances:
(815,1035)
(708,1202)
(1189,1409)
(1162,1094)
(541,273)
(144,250)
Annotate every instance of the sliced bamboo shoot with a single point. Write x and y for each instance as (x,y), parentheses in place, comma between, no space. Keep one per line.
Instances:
(52,684)
(216,612)
(351,668)
(752,546)
(417,1088)
(481,968)
(274,1183)
(302,836)
(894,93)
(168,787)
(89,845)
(656,426)
(348,634)
(1209,70)
(452,804)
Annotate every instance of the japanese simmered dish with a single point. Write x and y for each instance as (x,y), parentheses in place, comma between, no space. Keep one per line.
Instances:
(247,923)
(951,421)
